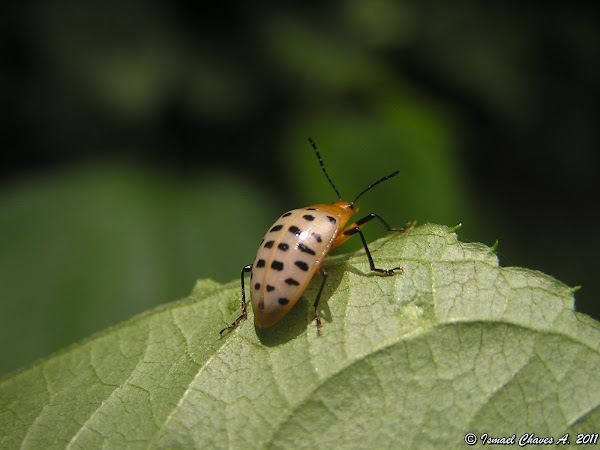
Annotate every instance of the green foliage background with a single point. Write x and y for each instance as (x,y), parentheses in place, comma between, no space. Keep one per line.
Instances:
(148,145)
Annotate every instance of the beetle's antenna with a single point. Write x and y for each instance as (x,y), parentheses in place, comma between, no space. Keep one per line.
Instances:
(323,167)
(376,183)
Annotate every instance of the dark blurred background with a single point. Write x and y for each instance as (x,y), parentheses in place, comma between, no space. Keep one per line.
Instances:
(146,145)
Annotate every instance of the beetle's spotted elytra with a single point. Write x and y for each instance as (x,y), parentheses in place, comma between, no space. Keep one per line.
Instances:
(294,248)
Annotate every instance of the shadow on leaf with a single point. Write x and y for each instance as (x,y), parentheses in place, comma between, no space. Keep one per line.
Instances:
(302,317)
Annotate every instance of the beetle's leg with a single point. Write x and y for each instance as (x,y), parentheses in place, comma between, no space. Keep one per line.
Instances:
(325,274)
(245,270)
(350,230)
(355,228)
(372,216)
(371,263)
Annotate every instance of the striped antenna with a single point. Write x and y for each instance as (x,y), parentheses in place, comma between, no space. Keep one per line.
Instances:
(325,171)
(376,183)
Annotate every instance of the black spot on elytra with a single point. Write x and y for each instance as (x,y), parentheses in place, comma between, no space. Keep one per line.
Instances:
(302,265)
(305,249)
(287,214)
(308,217)
(332,219)
(292,282)
(257,286)
(261,305)
(316,236)
(283,247)
(276,228)
(269,244)
(260,263)
(311,209)
(277,265)
(270,288)
(283,301)
(294,229)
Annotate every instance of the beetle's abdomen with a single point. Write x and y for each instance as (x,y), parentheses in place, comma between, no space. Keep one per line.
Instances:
(287,259)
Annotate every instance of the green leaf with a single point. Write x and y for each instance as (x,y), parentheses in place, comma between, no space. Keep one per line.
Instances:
(454,345)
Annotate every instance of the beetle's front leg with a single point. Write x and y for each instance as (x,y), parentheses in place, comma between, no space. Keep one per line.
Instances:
(350,230)
(372,216)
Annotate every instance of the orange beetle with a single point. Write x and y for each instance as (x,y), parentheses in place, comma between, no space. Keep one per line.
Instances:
(293,250)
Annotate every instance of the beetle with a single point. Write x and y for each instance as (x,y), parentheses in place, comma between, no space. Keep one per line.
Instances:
(293,249)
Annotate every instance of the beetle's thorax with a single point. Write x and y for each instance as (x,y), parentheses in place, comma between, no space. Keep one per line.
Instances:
(341,209)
